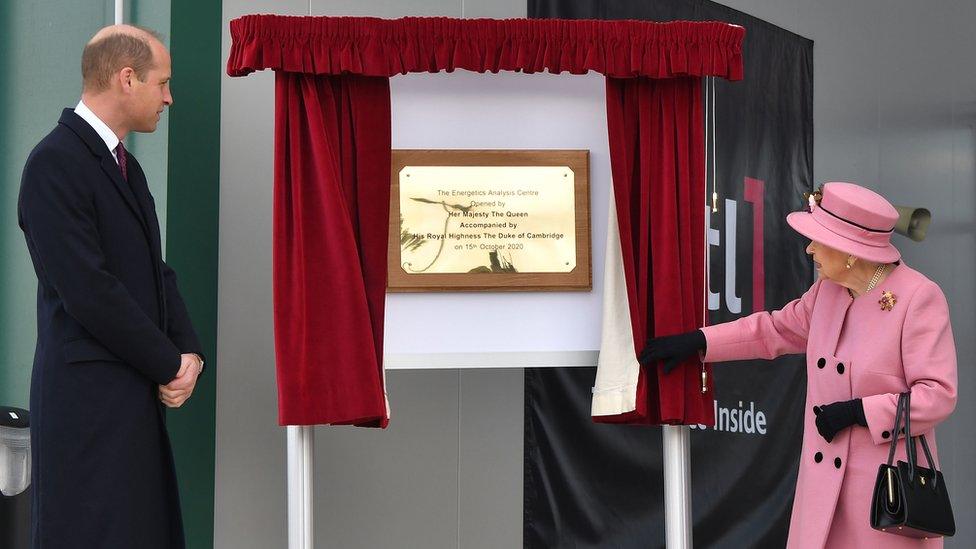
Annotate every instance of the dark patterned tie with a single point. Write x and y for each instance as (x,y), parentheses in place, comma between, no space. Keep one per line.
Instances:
(120,156)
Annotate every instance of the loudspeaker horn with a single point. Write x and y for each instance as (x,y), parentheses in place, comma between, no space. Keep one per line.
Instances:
(913,222)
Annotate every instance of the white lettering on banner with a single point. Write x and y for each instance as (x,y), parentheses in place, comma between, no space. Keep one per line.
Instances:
(732,301)
(714,238)
(738,420)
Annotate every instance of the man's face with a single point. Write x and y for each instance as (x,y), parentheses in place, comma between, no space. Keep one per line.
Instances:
(151,96)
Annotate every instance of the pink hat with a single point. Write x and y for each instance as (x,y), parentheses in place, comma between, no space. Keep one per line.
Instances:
(852,219)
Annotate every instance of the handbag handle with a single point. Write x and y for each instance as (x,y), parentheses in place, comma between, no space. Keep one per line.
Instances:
(928,458)
(899,409)
(911,451)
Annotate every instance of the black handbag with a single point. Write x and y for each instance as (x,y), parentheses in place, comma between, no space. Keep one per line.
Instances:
(910,500)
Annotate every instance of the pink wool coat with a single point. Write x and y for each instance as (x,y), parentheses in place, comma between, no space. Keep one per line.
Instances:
(854,349)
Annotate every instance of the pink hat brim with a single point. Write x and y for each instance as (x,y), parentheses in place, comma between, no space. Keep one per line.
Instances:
(805,224)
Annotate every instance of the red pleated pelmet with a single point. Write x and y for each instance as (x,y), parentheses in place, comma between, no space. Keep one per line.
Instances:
(384,47)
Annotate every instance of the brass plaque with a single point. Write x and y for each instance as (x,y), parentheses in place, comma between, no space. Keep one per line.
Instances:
(489,220)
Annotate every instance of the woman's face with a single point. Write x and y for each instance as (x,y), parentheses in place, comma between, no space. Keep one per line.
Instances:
(831,264)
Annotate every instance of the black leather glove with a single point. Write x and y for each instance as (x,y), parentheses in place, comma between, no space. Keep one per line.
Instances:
(834,418)
(672,349)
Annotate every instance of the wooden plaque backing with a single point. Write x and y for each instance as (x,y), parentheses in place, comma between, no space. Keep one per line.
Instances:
(579,279)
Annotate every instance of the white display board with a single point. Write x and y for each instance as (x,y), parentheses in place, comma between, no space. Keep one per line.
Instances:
(508,110)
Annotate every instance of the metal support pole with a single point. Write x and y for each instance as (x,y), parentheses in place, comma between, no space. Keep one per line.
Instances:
(119,12)
(677,486)
(301,458)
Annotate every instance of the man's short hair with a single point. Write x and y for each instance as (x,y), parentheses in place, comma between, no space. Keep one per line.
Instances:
(104,58)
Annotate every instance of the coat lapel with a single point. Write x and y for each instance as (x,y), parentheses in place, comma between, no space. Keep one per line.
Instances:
(140,189)
(135,192)
(90,138)
(111,169)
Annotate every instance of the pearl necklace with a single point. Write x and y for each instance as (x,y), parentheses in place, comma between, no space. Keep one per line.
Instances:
(874,280)
(877,276)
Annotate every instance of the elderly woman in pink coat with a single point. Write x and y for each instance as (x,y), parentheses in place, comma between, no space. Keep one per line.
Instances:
(871,327)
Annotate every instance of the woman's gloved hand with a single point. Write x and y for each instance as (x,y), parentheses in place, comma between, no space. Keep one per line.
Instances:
(672,349)
(834,418)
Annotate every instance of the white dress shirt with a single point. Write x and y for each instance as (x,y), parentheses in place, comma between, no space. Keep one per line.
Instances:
(108,136)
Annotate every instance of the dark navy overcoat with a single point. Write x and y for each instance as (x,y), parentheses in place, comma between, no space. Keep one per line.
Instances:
(111,326)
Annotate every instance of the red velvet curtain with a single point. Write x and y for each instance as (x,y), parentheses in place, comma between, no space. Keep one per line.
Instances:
(657,159)
(331,217)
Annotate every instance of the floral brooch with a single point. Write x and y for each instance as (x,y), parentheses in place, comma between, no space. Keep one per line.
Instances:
(887,300)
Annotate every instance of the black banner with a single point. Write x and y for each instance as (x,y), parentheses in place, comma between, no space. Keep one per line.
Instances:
(597,485)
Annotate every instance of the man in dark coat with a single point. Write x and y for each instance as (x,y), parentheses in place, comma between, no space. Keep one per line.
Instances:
(114,340)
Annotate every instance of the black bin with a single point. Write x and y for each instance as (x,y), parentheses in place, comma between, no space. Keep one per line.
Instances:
(15,466)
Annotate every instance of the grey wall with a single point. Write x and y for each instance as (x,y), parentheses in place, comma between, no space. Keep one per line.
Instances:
(249,506)
(894,108)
